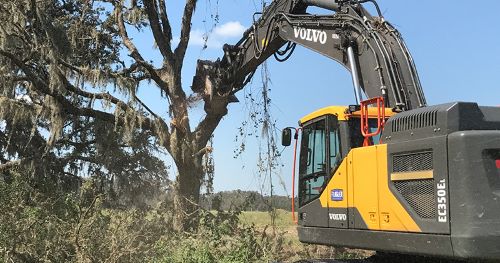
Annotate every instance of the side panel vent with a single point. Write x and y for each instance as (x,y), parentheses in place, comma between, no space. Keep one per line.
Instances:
(413,162)
(415,121)
(420,195)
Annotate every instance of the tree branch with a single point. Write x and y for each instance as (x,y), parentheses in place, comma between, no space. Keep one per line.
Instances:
(180,51)
(146,107)
(29,106)
(147,123)
(80,158)
(105,96)
(87,112)
(76,144)
(134,52)
(162,38)
(167,30)
(216,110)
(126,72)
(25,68)
(86,94)
(20,79)
(38,83)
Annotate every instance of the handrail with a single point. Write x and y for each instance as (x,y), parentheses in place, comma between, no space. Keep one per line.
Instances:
(365,126)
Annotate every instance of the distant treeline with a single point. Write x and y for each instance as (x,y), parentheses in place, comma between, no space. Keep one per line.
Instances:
(245,200)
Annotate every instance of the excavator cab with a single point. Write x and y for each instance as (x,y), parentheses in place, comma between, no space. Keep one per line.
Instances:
(326,137)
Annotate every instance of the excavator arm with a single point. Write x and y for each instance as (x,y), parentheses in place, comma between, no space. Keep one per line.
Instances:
(368,46)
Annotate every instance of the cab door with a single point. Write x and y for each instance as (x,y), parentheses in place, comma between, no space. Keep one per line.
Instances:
(320,157)
(313,173)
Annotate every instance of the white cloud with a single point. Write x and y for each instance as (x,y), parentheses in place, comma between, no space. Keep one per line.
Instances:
(200,38)
(224,33)
(229,29)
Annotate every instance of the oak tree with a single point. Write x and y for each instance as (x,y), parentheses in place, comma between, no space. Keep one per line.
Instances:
(69,77)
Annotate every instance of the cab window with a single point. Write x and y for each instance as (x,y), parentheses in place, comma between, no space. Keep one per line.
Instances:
(312,166)
(334,138)
(319,157)
(312,153)
(355,132)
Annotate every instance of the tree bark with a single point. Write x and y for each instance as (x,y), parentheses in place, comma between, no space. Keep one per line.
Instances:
(187,193)
(188,153)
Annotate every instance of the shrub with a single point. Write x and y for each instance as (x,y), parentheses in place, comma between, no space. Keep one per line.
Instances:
(50,225)
(57,226)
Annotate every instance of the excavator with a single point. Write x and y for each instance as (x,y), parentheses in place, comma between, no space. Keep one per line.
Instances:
(388,173)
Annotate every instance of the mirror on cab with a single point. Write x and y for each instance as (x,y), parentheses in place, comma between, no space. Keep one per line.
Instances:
(286,137)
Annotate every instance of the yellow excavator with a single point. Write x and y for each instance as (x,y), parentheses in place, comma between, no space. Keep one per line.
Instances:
(388,173)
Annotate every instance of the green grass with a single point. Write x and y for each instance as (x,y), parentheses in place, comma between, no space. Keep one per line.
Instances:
(261,219)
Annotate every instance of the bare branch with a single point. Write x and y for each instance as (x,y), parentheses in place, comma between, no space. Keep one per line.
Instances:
(180,51)
(134,52)
(146,107)
(206,128)
(162,38)
(167,30)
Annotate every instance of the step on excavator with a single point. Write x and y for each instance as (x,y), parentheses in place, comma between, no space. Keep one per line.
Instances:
(388,173)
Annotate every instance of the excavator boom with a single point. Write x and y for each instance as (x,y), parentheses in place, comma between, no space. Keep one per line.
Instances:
(368,46)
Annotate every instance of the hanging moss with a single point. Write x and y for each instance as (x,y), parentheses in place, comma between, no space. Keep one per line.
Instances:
(57,119)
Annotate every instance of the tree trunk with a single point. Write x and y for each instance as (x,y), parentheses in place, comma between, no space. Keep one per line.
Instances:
(187,193)
(188,147)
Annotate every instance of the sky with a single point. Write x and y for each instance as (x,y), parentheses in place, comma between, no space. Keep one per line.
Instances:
(455,45)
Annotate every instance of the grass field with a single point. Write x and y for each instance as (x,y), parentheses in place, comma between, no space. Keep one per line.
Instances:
(283,218)
(282,221)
